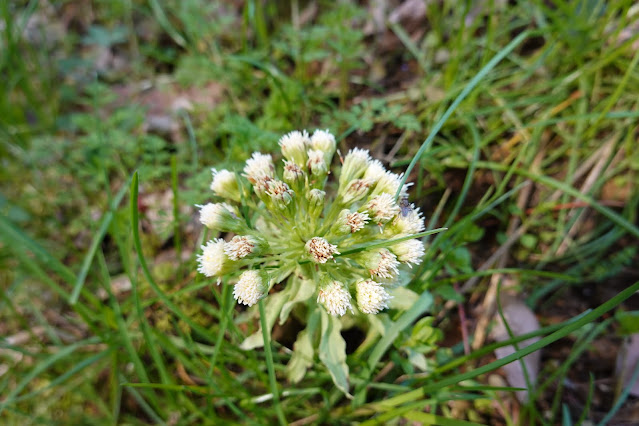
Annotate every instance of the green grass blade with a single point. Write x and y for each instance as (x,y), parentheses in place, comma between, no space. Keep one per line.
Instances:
(97,240)
(145,269)
(41,367)
(423,304)
(614,217)
(563,332)
(471,85)
(269,365)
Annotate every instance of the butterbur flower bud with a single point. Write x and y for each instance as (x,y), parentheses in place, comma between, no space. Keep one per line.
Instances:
(388,184)
(220,217)
(382,208)
(225,185)
(323,140)
(293,175)
(410,251)
(280,193)
(316,164)
(315,199)
(408,222)
(320,250)
(334,296)
(294,146)
(348,222)
(381,263)
(375,171)
(258,167)
(371,297)
(355,191)
(242,246)
(251,287)
(261,186)
(355,164)
(213,261)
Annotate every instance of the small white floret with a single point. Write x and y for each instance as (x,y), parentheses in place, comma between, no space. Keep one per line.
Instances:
(212,259)
(335,298)
(259,166)
(371,297)
(250,288)
(320,250)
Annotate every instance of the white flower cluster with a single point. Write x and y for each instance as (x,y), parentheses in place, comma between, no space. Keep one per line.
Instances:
(283,221)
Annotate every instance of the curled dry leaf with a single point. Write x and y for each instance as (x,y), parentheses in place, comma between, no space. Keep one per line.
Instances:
(627,362)
(520,320)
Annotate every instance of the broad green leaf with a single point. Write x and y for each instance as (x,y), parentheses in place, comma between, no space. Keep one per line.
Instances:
(332,351)
(448,293)
(403,298)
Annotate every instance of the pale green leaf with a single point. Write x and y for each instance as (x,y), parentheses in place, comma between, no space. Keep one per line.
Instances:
(301,291)
(273,303)
(332,351)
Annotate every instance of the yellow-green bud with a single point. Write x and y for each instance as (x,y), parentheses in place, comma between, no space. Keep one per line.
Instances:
(316,164)
(294,176)
(348,222)
(381,263)
(355,191)
(280,193)
(315,199)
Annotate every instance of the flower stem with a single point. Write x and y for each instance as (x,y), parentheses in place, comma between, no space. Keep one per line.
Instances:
(269,365)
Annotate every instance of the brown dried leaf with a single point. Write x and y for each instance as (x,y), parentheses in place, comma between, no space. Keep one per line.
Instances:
(627,362)
(520,320)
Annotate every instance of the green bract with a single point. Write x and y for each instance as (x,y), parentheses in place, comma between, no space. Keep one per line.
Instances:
(321,242)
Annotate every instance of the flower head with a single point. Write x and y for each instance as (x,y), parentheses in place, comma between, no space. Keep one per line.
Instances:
(382,208)
(355,164)
(294,146)
(349,222)
(381,263)
(280,193)
(371,296)
(212,260)
(320,250)
(258,167)
(250,288)
(410,251)
(389,183)
(335,298)
(242,246)
(355,191)
(224,184)
(293,175)
(292,217)
(375,171)
(220,217)
(408,222)
(316,163)
(323,140)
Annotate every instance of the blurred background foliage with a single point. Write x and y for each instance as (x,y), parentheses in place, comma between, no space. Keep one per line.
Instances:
(92,91)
